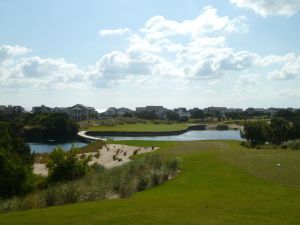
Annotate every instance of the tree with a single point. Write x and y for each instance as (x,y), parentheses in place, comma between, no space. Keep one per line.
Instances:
(65,166)
(294,132)
(255,132)
(16,161)
(172,115)
(278,130)
(197,113)
(284,113)
(45,126)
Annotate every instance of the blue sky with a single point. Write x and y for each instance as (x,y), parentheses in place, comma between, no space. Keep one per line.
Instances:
(234,53)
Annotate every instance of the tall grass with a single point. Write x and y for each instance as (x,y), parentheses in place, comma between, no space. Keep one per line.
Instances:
(120,182)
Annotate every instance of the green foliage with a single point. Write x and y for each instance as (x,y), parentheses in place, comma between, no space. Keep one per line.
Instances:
(220,183)
(16,161)
(278,131)
(197,113)
(222,127)
(64,166)
(172,116)
(141,127)
(101,183)
(45,126)
(255,132)
(294,145)
(294,132)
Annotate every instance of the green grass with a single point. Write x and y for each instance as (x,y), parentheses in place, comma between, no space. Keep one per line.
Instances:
(220,183)
(139,127)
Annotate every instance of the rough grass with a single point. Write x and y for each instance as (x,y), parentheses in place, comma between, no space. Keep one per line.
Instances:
(139,127)
(221,183)
(142,173)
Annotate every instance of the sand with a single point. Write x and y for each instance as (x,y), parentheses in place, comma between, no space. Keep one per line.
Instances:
(109,156)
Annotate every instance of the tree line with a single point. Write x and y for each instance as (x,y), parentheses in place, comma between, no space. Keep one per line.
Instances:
(284,126)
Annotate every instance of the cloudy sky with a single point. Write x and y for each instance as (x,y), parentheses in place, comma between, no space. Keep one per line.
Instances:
(192,53)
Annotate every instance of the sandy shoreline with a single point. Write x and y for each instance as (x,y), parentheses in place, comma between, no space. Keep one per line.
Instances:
(109,155)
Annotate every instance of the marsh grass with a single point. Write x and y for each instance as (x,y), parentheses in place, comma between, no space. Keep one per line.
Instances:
(101,183)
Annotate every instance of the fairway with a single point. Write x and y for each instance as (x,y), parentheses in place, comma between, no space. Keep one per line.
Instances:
(140,127)
(220,183)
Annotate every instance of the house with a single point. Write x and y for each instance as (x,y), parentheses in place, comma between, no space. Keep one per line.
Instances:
(80,112)
(110,112)
(182,112)
(124,111)
(216,111)
(159,111)
(41,109)
(11,109)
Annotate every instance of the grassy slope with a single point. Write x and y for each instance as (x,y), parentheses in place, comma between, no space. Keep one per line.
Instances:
(220,183)
(140,127)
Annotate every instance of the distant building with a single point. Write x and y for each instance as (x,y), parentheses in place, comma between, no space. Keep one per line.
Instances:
(80,112)
(59,110)
(124,111)
(11,109)
(140,109)
(41,109)
(110,112)
(182,112)
(2,108)
(216,111)
(273,110)
(159,111)
(234,110)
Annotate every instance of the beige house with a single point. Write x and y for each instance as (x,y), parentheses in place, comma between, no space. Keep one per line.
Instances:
(80,112)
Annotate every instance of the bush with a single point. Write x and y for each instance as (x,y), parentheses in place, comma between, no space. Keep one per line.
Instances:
(101,183)
(222,127)
(65,166)
(255,132)
(277,131)
(294,145)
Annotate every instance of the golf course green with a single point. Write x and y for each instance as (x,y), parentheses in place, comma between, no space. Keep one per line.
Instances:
(140,127)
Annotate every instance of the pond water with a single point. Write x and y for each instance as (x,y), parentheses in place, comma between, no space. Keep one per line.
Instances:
(188,136)
(49,146)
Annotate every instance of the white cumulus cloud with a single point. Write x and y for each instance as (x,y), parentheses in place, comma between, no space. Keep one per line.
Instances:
(290,70)
(270,7)
(8,51)
(119,31)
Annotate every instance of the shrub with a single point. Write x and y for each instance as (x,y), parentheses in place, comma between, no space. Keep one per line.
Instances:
(143,182)
(101,183)
(97,155)
(65,166)
(70,193)
(294,145)
(222,127)
(50,195)
(136,151)
(255,132)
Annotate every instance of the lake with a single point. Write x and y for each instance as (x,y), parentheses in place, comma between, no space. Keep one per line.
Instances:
(49,146)
(188,136)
